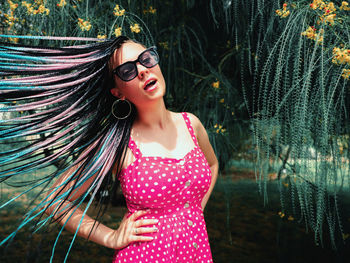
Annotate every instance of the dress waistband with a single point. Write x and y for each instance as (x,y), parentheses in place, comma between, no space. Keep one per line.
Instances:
(168,212)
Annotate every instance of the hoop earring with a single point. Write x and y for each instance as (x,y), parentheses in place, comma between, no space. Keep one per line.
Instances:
(123,110)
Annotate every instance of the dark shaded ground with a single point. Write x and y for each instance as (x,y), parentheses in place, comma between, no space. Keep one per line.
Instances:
(240,229)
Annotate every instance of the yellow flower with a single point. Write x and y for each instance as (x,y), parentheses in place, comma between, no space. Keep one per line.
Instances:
(222,100)
(12,5)
(135,28)
(281,214)
(290,218)
(283,13)
(14,40)
(117,11)
(10,18)
(310,33)
(329,14)
(341,56)
(150,10)
(216,84)
(101,36)
(285,184)
(330,19)
(164,45)
(346,74)
(62,3)
(30,9)
(42,9)
(317,4)
(344,6)
(84,25)
(219,128)
(329,8)
(117,31)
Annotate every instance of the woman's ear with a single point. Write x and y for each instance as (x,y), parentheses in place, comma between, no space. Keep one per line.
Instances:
(116,93)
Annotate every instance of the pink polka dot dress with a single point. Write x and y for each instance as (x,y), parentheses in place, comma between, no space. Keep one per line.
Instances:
(172,189)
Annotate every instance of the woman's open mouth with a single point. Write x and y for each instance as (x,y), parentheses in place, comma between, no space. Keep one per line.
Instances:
(150,85)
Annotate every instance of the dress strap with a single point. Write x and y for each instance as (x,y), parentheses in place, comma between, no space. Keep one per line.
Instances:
(133,147)
(189,127)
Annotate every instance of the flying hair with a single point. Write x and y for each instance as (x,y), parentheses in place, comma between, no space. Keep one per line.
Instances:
(55,107)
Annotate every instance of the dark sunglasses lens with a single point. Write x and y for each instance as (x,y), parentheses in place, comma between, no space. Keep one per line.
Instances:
(127,71)
(149,58)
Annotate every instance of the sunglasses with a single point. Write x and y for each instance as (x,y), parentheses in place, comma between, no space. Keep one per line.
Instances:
(128,71)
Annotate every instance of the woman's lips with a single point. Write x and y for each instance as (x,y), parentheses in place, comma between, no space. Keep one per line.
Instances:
(150,85)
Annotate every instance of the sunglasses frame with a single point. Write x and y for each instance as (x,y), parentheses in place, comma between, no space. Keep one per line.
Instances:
(153,48)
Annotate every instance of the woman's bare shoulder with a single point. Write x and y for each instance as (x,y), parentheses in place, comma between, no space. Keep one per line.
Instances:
(196,123)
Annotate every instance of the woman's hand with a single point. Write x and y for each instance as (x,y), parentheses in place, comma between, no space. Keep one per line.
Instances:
(131,229)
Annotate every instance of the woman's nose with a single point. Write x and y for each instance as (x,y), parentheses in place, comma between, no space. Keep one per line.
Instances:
(142,70)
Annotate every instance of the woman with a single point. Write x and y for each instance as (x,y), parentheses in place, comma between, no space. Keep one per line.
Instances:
(167,170)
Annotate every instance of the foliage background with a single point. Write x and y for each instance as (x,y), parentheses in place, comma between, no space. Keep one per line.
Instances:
(268,79)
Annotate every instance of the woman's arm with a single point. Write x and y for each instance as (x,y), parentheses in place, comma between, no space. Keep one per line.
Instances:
(207,149)
(100,234)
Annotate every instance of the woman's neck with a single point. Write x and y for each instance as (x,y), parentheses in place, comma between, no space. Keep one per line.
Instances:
(154,116)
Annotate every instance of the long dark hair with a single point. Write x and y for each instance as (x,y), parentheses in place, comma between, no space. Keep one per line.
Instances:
(56,111)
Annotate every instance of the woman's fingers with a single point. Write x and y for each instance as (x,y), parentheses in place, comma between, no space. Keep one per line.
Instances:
(145,222)
(142,222)
(133,229)
(138,214)
(141,238)
(144,230)
(138,228)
